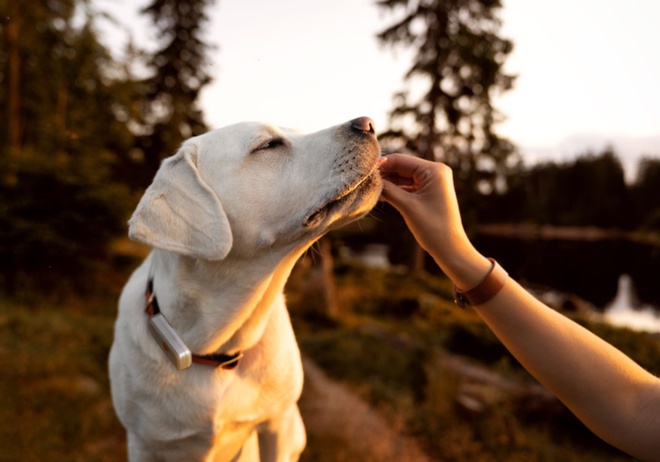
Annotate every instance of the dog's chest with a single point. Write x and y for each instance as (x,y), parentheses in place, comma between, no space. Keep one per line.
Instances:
(269,378)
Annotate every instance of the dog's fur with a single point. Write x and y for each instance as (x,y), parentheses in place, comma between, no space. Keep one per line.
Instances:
(228,216)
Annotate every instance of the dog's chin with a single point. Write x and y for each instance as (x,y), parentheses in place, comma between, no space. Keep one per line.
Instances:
(347,206)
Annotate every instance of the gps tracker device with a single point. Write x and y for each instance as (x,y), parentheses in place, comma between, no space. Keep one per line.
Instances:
(177,351)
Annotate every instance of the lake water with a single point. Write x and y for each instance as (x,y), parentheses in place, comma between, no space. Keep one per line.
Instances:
(626,310)
(620,279)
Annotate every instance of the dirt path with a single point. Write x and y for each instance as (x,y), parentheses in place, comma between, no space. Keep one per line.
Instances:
(342,427)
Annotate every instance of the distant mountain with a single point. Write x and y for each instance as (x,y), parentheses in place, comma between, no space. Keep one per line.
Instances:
(628,149)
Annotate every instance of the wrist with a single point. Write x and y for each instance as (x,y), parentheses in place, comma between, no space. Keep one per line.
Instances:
(485,290)
(464,265)
(469,271)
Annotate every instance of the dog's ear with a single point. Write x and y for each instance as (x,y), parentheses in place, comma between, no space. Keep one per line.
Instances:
(179,211)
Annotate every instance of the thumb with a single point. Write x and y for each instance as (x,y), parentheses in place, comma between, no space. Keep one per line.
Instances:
(395,196)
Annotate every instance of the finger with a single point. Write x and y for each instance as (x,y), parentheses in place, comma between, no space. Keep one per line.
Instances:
(394,195)
(397,180)
(388,171)
(402,165)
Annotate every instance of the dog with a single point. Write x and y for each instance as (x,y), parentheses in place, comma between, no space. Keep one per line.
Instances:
(204,365)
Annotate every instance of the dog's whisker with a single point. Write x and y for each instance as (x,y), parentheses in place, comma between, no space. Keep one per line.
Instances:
(315,251)
(377,218)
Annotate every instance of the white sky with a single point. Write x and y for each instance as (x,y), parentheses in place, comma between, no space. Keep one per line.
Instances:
(587,67)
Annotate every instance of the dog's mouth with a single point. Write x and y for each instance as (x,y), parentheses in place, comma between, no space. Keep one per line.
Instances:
(349,195)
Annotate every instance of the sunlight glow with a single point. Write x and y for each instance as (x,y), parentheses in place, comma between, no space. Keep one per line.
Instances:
(587,68)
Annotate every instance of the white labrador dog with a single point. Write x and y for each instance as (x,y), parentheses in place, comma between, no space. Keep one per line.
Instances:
(228,216)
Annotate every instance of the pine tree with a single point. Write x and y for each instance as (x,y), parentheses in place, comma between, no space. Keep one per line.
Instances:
(458,67)
(646,193)
(62,202)
(178,75)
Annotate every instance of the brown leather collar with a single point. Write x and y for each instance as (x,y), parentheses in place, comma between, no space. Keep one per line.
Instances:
(214,360)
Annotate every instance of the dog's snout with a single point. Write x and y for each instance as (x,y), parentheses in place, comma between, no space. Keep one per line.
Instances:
(364,125)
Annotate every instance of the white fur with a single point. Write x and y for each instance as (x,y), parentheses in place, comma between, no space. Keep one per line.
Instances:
(228,218)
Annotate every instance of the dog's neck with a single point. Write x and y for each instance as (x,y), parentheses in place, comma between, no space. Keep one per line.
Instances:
(223,306)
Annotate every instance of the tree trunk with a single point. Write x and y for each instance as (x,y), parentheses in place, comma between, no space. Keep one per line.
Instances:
(13,78)
(417,259)
(328,279)
(13,92)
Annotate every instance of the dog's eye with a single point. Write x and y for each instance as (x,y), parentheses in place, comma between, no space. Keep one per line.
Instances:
(271,144)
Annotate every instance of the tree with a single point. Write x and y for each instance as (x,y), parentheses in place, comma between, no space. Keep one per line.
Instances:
(63,201)
(459,59)
(588,191)
(646,194)
(599,192)
(178,75)
(13,88)
(456,70)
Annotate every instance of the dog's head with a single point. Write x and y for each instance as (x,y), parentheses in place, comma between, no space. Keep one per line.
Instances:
(252,186)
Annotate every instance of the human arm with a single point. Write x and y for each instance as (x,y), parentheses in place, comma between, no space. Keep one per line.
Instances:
(610,393)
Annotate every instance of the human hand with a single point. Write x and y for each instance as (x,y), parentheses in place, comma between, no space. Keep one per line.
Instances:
(423,192)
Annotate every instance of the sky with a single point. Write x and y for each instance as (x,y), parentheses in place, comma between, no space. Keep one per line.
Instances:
(588,70)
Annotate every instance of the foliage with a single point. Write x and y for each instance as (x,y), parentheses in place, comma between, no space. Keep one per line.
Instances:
(459,59)
(447,114)
(169,96)
(74,116)
(646,194)
(388,346)
(61,229)
(60,195)
(55,402)
(588,191)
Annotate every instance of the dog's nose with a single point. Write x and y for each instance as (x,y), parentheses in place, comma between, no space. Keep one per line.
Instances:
(363,124)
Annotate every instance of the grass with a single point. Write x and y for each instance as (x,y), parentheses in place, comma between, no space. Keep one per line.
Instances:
(385,345)
(54,389)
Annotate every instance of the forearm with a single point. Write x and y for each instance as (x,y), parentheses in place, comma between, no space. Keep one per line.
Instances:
(610,393)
